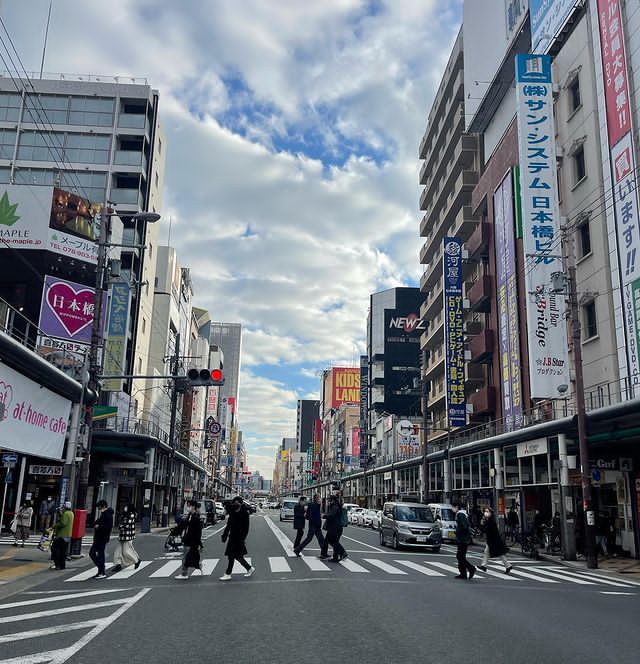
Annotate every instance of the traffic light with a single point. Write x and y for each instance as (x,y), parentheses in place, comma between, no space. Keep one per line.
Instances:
(205,377)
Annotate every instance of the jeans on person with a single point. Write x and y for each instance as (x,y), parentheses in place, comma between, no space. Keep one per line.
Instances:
(59,552)
(314,531)
(240,559)
(485,558)
(601,542)
(299,534)
(464,565)
(96,553)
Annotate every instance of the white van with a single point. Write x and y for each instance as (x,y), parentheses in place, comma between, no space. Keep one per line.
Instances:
(286,509)
(443,513)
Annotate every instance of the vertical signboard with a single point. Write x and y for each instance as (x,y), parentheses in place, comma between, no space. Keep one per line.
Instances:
(115,346)
(454,331)
(507,294)
(547,333)
(623,172)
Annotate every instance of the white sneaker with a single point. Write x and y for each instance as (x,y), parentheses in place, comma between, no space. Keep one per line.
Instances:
(225,577)
(250,571)
(181,576)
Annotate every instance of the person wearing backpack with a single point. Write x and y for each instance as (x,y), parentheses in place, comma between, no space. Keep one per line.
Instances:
(463,539)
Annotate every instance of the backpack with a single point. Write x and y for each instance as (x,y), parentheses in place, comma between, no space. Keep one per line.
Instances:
(344,517)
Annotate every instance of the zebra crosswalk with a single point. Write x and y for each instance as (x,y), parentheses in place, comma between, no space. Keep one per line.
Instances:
(282,566)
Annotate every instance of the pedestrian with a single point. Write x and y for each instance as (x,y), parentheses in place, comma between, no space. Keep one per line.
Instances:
(23,523)
(314,517)
(494,547)
(463,539)
(46,513)
(538,527)
(62,529)
(602,533)
(191,539)
(102,527)
(236,532)
(125,554)
(333,525)
(512,523)
(298,520)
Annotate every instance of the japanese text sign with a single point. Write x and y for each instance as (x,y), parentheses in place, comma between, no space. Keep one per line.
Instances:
(116,344)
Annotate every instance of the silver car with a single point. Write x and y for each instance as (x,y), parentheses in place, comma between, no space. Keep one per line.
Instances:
(411,525)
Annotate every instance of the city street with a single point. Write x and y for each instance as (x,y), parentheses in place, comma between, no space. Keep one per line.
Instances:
(379,605)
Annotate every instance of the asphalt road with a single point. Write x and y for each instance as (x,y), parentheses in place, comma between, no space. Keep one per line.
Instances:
(378,606)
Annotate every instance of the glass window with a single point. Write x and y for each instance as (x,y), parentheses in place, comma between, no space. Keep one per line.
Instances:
(7,143)
(484,469)
(541,467)
(466,472)
(88,148)
(41,146)
(34,176)
(92,111)
(589,320)
(9,107)
(5,175)
(526,470)
(475,471)
(46,109)
(575,98)
(584,242)
(510,461)
(579,166)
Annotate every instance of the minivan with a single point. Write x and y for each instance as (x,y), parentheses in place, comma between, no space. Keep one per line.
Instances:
(411,525)
(443,513)
(286,509)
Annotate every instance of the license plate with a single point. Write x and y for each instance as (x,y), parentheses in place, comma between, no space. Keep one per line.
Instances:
(421,538)
(452,535)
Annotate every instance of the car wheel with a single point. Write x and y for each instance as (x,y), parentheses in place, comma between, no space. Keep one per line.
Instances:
(396,544)
(382,541)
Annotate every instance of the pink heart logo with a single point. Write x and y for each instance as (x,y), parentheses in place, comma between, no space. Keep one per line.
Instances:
(73,308)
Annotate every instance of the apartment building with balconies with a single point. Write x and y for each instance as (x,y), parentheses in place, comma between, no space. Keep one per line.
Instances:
(448,175)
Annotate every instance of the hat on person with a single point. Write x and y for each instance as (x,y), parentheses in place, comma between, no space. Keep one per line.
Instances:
(67,504)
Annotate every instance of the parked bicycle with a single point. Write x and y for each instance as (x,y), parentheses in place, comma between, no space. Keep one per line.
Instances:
(529,545)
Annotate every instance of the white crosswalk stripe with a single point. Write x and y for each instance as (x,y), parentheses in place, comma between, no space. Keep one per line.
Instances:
(353,566)
(556,575)
(208,565)
(83,576)
(517,571)
(385,567)
(279,564)
(501,574)
(167,569)
(315,564)
(599,579)
(238,568)
(447,568)
(602,579)
(128,572)
(419,568)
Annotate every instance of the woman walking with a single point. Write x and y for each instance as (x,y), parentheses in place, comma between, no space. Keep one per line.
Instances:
(125,554)
(236,532)
(191,540)
(495,546)
(23,523)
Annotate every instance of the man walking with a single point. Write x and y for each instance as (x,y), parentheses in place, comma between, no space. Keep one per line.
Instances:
(298,520)
(236,532)
(101,534)
(463,539)
(45,513)
(334,529)
(314,517)
(61,537)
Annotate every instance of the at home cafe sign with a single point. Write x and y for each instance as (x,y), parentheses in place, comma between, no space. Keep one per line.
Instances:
(533,447)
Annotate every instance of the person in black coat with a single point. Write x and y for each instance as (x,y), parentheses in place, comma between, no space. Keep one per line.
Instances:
(298,520)
(236,532)
(191,528)
(101,533)
(333,524)
(495,546)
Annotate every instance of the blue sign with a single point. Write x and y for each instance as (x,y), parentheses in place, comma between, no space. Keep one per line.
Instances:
(454,331)
(547,19)
(119,310)
(9,458)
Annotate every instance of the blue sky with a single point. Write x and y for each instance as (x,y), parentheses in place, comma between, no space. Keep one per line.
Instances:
(292,132)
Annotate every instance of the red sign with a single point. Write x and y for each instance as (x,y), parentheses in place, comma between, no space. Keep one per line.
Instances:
(232,403)
(355,442)
(616,81)
(345,386)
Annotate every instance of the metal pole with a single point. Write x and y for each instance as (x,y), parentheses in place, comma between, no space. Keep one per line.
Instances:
(425,422)
(175,360)
(591,552)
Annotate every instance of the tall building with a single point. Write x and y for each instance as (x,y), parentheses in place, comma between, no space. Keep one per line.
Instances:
(228,337)
(308,412)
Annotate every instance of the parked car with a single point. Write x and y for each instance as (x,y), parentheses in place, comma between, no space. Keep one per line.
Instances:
(353,515)
(286,509)
(376,519)
(411,525)
(443,513)
(366,518)
(350,506)
(220,511)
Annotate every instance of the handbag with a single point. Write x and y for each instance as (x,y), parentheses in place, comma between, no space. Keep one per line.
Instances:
(14,525)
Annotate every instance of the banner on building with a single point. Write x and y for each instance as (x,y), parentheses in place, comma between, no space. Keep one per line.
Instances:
(345,386)
(454,331)
(547,331)
(507,296)
(623,171)
(115,345)
(548,17)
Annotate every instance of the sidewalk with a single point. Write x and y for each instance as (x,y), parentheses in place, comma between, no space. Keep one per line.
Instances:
(620,567)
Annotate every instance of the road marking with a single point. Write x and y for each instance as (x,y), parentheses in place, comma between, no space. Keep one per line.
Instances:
(314,564)
(285,542)
(238,568)
(166,570)
(61,598)
(532,576)
(419,568)
(614,592)
(129,571)
(447,568)
(375,548)
(37,633)
(279,564)
(215,532)
(385,567)
(555,575)
(500,575)
(83,576)
(208,565)
(61,610)
(594,577)
(353,567)
(597,577)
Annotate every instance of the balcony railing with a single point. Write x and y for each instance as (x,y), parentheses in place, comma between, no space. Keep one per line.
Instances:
(478,243)
(479,294)
(484,401)
(133,425)
(130,158)
(481,346)
(132,120)
(127,197)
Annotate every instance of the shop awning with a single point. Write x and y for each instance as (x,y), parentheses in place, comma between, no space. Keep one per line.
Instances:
(103,412)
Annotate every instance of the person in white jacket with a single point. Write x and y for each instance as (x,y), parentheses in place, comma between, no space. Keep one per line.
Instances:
(23,523)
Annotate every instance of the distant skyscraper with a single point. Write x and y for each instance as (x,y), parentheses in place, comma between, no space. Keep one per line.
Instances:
(228,336)
(308,413)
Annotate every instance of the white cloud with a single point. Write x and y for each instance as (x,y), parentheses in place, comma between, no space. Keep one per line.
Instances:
(236,79)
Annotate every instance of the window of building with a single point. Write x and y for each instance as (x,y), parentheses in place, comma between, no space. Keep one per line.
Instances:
(589,320)
(584,238)
(9,107)
(579,166)
(7,143)
(88,148)
(575,98)
(46,109)
(41,146)
(92,111)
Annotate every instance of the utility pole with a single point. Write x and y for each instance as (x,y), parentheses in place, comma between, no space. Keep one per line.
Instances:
(175,361)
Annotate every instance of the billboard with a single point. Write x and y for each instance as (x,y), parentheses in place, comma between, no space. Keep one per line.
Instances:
(115,347)
(33,419)
(454,331)
(547,331)
(51,219)
(547,19)
(345,386)
(623,172)
(507,297)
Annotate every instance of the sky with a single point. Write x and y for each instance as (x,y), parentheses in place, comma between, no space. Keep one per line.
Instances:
(292,131)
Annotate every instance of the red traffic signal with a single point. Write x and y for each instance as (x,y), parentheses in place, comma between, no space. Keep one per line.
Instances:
(205,377)
(216,375)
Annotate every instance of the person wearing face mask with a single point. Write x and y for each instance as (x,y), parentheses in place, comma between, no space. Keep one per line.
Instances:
(236,532)
(495,546)
(191,540)
(101,534)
